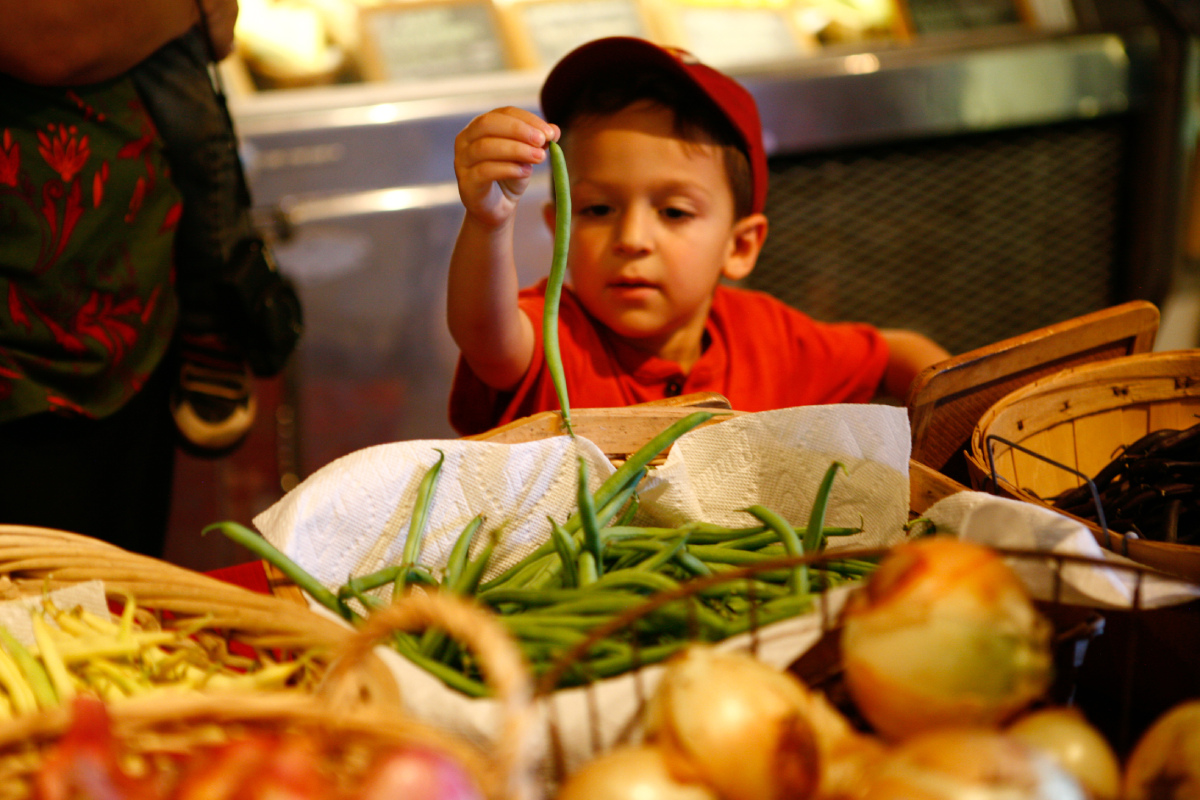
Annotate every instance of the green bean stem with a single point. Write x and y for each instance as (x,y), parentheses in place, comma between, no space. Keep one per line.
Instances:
(258,545)
(587,516)
(460,552)
(798,582)
(568,552)
(814,542)
(420,518)
(558,269)
(638,461)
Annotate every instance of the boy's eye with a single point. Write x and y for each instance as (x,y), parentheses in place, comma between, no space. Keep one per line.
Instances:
(676,213)
(595,210)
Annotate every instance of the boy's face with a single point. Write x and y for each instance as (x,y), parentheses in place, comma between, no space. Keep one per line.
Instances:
(652,229)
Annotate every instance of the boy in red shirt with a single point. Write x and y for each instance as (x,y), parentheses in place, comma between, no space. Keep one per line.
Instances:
(668,183)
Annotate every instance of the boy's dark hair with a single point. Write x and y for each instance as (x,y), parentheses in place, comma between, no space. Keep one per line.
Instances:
(697,119)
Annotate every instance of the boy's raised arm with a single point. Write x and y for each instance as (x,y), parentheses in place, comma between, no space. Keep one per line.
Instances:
(493,161)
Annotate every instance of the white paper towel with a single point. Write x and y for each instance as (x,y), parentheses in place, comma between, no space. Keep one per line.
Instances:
(351,517)
(1004,523)
(15,614)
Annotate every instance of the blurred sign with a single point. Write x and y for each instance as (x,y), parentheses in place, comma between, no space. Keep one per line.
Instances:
(939,16)
(549,29)
(423,40)
(729,34)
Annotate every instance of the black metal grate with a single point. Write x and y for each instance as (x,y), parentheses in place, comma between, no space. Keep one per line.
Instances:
(969,239)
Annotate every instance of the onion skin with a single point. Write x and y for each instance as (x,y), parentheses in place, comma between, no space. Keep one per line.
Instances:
(1165,762)
(943,633)
(750,731)
(630,773)
(1074,743)
(969,764)
(418,773)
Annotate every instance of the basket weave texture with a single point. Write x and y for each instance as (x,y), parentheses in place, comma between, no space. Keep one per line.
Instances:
(355,708)
(39,559)
(1081,418)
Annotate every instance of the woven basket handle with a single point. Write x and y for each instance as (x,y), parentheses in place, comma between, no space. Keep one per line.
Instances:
(500,661)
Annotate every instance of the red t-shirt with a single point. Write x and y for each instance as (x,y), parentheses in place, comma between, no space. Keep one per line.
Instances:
(761,354)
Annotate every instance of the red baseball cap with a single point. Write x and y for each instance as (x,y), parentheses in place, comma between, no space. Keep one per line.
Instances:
(601,55)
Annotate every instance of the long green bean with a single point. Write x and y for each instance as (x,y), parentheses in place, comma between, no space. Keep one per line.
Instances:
(558,269)
(637,462)
(258,545)
(568,553)
(588,521)
(791,542)
(814,542)
(418,521)
(460,553)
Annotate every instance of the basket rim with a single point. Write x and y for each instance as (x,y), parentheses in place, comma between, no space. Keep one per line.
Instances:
(1082,375)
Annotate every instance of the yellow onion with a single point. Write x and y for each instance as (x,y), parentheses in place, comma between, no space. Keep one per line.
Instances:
(630,773)
(968,764)
(943,633)
(1165,762)
(1067,736)
(750,731)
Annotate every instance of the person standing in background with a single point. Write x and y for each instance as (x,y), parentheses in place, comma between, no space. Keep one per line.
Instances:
(88,299)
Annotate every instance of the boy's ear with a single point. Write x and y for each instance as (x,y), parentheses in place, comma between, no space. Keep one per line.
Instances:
(745,243)
(548,215)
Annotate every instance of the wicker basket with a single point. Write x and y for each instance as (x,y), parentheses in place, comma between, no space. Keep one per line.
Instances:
(351,732)
(1080,418)
(255,625)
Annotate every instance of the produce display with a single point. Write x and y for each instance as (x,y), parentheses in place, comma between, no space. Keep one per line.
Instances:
(722,725)
(1151,488)
(597,566)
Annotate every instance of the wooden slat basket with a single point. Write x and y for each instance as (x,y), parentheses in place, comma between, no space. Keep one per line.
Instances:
(1082,418)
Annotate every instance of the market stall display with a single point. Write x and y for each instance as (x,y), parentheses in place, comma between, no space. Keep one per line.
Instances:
(778,456)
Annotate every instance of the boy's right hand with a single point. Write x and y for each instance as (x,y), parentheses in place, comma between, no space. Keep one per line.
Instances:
(494,158)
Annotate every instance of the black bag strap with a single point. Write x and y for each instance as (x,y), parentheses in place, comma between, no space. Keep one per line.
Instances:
(218,87)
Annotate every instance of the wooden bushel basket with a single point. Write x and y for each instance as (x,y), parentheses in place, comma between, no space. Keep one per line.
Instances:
(1081,418)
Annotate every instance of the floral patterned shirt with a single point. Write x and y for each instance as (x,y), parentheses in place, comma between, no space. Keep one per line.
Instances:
(87,221)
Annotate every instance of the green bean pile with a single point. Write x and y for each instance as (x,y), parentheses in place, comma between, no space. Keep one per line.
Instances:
(594,567)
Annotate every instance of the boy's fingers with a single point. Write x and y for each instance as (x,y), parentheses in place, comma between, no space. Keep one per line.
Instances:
(498,149)
(512,123)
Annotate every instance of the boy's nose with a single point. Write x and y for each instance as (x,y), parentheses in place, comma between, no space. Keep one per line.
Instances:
(633,233)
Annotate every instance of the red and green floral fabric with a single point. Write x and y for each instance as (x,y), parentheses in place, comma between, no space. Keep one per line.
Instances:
(87,221)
